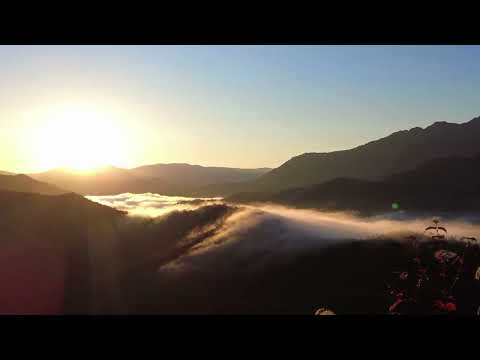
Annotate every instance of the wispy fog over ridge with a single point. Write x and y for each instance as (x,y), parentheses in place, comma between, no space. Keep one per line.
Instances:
(149,204)
(194,256)
(249,230)
(185,255)
(295,227)
(269,231)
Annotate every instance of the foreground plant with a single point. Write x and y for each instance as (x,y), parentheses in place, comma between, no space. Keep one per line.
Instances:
(428,285)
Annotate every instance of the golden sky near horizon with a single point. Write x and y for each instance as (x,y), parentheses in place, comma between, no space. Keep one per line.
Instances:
(235,106)
(75,135)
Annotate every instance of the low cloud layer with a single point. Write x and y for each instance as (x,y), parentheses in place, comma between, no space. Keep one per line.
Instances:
(337,225)
(150,205)
(196,257)
(273,229)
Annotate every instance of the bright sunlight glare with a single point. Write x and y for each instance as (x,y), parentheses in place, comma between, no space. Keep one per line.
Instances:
(80,139)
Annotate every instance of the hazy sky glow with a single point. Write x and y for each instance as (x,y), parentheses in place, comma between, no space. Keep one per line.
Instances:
(239,106)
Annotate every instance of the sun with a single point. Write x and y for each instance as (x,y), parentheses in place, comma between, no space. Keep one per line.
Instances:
(79,139)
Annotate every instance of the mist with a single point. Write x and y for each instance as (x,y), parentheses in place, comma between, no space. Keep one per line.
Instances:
(272,229)
(176,255)
(151,205)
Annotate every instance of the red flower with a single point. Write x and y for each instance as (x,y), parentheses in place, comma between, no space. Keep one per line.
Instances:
(450,307)
(439,304)
(442,306)
(444,256)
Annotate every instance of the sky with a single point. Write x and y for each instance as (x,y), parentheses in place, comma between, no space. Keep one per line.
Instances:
(236,106)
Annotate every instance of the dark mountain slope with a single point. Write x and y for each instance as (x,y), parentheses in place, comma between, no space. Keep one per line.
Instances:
(401,151)
(448,184)
(217,190)
(24,183)
(58,254)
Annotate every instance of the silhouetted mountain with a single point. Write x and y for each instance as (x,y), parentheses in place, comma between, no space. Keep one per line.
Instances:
(166,179)
(450,171)
(57,253)
(106,181)
(66,254)
(398,152)
(187,175)
(32,207)
(447,184)
(24,183)
(216,190)
(401,151)
(5,173)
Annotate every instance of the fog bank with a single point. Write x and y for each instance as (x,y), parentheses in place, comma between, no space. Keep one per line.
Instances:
(269,228)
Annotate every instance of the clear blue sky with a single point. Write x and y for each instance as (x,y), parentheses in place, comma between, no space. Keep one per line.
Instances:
(241,106)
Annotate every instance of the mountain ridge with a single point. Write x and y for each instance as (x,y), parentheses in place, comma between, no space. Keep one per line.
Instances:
(24,183)
(375,160)
(184,174)
(400,151)
(166,179)
(107,181)
(443,184)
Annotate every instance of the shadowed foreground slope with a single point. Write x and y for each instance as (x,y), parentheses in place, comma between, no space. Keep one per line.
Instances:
(65,254)
(53,251)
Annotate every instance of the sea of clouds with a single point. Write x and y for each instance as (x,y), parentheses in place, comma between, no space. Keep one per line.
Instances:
(233,250)
(151,205)
(278,228)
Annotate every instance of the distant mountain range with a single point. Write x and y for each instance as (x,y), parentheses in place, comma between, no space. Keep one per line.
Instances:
(407,153)
(401,151)
(24,183)
(186,175)
(167,179)
(445,184)
(106,181)
(5,173)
